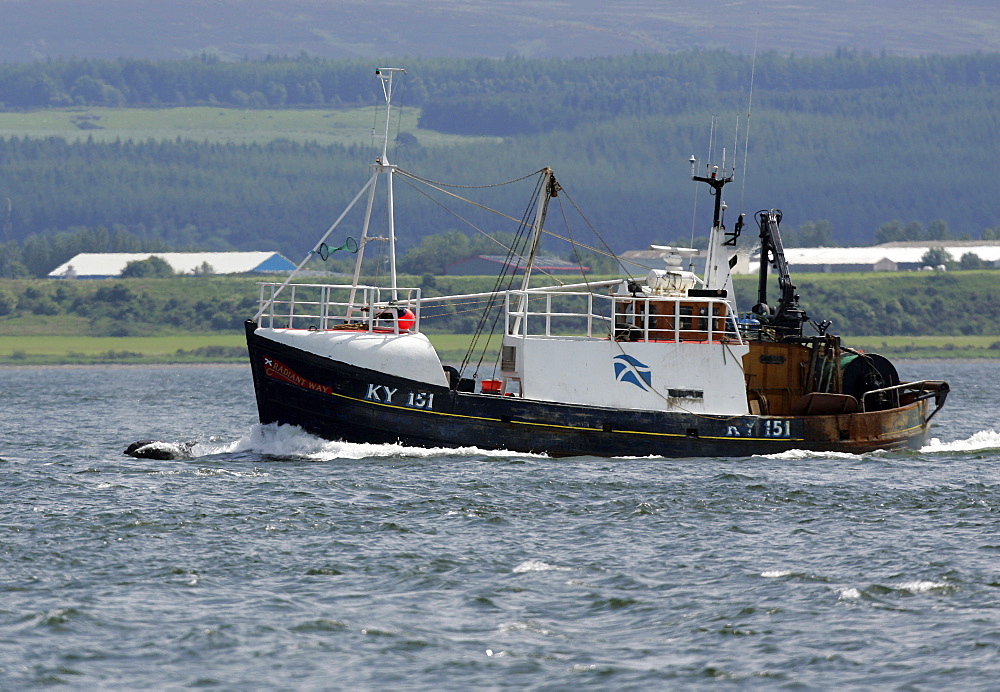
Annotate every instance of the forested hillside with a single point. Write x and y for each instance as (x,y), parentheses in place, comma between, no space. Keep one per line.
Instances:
(854,140)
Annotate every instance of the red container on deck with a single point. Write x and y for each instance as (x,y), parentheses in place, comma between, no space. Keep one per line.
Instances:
(491,386)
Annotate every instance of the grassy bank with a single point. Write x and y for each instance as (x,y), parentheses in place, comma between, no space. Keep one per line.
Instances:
(38,349)
(230,348)
(91,350)
(929,346)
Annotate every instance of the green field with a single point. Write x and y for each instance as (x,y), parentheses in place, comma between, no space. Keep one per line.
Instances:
(181,348)
(929,346)
(63,349)
(349,126)
(230,348)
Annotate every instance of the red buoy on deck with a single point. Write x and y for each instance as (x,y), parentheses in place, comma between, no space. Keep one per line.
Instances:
(406,319)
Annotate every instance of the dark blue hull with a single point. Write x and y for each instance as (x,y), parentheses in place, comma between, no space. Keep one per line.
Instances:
(341,402)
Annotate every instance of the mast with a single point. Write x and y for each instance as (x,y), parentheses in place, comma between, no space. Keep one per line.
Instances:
(389,78)
(718,264)
(549,189)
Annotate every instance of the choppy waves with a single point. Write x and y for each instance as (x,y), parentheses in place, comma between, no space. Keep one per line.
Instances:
(249,565)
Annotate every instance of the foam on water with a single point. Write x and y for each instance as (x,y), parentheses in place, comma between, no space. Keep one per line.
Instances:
(776,573)
(535,566)
(982,441)
(293,441)
(922,586)
(796,454)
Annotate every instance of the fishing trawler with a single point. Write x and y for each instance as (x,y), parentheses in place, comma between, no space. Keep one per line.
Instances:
(661,365)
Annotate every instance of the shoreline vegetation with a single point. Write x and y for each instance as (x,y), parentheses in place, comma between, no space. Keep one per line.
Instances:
(189,320)
(198,320)
(220,349)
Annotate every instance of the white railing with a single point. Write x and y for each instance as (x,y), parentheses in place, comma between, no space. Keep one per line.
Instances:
(639,318)
(577,314)
(329,306)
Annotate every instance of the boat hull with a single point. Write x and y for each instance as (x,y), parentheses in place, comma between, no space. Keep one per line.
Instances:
(338,401)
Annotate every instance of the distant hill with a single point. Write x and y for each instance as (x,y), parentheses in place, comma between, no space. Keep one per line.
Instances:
(381,29)
(845,142)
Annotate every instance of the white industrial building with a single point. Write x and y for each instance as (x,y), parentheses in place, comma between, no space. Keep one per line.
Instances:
(106,265)
(888,257)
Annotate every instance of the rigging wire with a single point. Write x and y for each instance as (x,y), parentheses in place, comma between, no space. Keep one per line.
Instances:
(512,251)
(579,261)
(469,223)
(694,216)
(399,118)
(746,146)
(374,150)
(435,183)
(380,256)
(694,212)
(436,186)
(520,239)
(607,252)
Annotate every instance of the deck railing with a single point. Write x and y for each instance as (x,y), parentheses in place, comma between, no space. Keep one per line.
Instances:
(633,318)
(330,306)
(553,314)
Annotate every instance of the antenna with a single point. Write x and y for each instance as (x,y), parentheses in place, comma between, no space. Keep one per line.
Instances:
(746,146)
(387,76)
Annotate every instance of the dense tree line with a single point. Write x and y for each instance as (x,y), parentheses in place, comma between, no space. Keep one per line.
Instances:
(601,87)
(135,306)
(207,80)
(911,303)
(936,229)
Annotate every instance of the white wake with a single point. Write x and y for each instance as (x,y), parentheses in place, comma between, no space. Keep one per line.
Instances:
(981,441)
(293,441)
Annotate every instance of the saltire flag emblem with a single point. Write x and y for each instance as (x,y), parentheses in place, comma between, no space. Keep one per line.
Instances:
(629,369)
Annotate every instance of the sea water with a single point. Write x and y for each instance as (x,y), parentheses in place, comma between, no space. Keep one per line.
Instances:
(271,559)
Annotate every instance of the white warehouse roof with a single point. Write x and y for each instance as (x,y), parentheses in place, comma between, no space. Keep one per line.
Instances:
(900,254)
(110,264)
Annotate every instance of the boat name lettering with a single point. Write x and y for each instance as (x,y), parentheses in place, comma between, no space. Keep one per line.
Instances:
(280,371)
(380,393)
(734,431)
